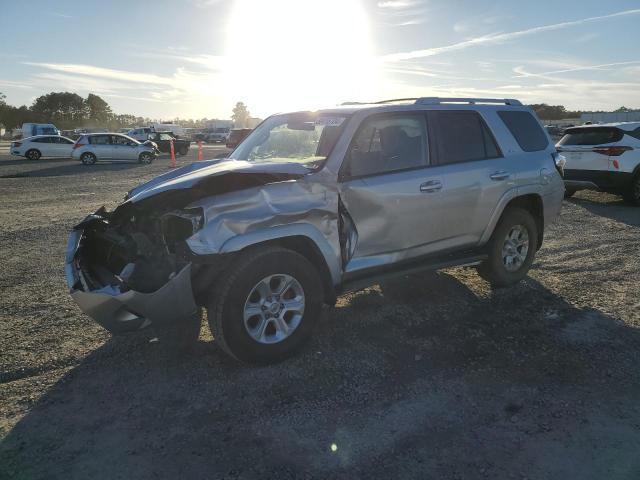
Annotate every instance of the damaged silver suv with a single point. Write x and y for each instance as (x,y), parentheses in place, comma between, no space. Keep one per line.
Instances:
(312,204)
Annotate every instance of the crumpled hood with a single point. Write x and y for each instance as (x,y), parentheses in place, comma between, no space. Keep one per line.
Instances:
(196,173)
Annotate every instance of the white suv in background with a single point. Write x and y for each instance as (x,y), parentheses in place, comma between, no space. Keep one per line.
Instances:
(603,157)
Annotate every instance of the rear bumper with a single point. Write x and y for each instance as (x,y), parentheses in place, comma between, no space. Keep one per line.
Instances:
(121,311)
(597,180)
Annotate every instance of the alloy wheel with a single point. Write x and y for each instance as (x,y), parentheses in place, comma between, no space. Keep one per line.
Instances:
(515,248)
(274,308)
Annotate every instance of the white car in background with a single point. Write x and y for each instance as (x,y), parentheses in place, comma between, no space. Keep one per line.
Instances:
(141,134)
(42,146)
(93,147)
(603,157)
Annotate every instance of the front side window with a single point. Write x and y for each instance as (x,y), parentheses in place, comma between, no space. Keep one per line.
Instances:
(305,138)
(387,144)
(461,136)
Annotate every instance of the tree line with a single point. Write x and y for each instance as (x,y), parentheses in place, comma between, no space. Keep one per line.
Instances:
(68,110)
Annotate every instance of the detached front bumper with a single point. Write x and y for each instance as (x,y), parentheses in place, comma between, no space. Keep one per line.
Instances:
(121,312)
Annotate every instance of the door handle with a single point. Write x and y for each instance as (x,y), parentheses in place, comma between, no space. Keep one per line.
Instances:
(499,175)
(431,186)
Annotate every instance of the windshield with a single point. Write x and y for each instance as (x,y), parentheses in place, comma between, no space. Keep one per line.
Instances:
(306,138)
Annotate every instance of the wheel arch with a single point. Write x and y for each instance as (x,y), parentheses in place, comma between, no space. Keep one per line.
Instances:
(531,202)
(303,239)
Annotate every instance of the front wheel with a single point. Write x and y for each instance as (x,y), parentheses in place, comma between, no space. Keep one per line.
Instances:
(183,151)
(632,196)
(266,306)
(145,158)
(511,249)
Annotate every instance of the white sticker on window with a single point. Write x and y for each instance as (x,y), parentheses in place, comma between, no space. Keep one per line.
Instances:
(330,121)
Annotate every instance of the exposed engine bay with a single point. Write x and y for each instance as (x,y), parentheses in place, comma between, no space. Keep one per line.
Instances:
(137,251)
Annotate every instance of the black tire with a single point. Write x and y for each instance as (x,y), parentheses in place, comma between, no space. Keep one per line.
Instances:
(88,158)
(183,151)
(493,269)
(145,158)
(225,310)
(569,192)
(632,195)
(33,154)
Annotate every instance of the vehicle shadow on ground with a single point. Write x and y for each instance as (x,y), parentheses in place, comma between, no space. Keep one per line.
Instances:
(423,377)
(75,168)
(25,161)
(612,207)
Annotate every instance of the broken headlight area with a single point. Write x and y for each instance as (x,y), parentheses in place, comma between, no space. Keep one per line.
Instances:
(141,251)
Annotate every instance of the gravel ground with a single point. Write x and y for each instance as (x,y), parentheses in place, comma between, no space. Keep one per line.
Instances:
(437,376)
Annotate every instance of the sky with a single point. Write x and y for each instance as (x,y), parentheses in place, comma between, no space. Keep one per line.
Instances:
(196,58)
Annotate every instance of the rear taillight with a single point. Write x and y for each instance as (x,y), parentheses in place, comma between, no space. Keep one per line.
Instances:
(559,161)
(16,144)
(78,145)
(611,151)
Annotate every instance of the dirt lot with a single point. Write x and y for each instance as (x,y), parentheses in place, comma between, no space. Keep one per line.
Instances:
(431,377)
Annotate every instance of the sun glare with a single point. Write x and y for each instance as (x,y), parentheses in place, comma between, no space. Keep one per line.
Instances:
(294,54)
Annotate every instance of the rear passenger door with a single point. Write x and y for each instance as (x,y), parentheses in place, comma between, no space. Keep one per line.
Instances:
(474,174)
(101,146)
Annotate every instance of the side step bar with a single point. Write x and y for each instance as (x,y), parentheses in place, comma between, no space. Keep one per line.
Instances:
(368,279)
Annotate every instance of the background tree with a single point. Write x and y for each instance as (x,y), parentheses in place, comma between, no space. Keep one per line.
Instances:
(553,112)
(240,115)
(98,111)
(65,109)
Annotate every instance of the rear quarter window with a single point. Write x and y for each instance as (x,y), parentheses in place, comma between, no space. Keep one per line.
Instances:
(591,136)
(526,129)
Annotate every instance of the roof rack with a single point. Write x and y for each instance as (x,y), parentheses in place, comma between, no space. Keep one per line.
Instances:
(439,100)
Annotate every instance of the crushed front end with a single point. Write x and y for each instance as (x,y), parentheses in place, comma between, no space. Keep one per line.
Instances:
(128,269)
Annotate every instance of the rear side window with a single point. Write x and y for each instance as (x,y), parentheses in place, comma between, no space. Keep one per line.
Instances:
(525,129)
(100,140)
(461,136)
(591,136)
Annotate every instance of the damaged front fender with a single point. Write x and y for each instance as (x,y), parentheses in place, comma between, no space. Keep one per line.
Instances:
(236,220)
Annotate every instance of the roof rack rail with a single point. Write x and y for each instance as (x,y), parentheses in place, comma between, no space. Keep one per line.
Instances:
(439,100)
(392,100)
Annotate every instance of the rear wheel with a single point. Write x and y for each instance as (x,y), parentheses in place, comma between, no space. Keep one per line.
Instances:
(511,248)
(632,195)
(146,158)
(266,306)
(33,154)
(88,158)
(183,150)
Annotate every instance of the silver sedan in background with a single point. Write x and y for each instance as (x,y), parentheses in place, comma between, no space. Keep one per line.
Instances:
(90,148)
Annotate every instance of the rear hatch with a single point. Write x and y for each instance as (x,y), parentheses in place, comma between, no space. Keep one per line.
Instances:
(591,148)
